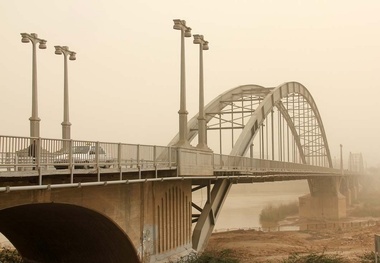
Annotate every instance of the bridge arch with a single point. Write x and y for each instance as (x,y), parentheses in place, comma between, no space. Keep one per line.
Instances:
(294,104)
(57,232)
(249,107)
(274,99)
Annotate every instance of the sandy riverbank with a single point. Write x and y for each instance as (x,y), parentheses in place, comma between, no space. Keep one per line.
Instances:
(257,246)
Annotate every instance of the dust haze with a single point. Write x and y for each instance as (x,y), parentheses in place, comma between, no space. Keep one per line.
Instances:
(124,85)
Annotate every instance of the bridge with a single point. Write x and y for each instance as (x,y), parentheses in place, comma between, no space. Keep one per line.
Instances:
(66,200)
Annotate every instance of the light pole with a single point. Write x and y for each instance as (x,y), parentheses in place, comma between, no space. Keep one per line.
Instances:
(34,120)
(341,159)
(185,32)
(203,45)
(59,50)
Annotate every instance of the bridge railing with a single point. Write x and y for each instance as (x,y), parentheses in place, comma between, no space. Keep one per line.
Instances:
(247,164)
(26,153)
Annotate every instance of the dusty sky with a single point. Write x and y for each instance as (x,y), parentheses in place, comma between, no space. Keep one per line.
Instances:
(124,85)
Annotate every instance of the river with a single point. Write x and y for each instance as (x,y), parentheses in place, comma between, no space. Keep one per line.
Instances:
(245,201)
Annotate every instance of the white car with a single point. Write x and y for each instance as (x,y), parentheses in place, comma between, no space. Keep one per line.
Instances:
(82,157)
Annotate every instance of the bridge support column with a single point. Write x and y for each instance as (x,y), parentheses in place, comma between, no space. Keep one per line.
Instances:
(324,201)
(354,188)
(350,188)
(346,191)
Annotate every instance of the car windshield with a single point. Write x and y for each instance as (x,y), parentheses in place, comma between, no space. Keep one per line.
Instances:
(86,149)
(81,149)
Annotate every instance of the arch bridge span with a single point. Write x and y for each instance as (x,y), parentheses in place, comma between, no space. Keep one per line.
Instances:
(140,196)
(284,122)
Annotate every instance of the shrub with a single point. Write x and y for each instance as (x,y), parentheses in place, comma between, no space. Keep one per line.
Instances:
(314,258)
(274,214)
(222,256)
(368,257)
(8,255)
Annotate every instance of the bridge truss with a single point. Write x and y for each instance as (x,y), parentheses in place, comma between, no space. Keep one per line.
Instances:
(254,130)
(279,124)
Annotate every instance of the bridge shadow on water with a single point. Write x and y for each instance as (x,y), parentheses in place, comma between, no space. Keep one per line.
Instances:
(52,232)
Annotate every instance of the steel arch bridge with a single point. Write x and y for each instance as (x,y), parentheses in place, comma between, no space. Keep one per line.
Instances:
(280,127)
(297,135)
(283,122)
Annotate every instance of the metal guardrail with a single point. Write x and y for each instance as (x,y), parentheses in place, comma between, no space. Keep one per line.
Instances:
(18,155)
(26,153)
(251,165)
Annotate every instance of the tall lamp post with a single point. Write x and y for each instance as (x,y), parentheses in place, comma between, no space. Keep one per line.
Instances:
(185,32)
(202,136)
(34,119)
(341,159)
(59,50)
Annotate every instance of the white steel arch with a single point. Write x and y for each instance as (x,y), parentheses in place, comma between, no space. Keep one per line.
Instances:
(301,115)
(216,106)
(273,99)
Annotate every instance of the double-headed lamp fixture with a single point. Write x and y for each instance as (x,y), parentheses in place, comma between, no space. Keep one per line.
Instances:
(26,38)
(198,39)
(59,50)
(181,25)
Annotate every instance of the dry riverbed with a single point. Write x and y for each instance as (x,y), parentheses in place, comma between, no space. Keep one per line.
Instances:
(256,246)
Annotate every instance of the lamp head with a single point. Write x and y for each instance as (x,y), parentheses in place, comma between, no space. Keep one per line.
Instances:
(197,39)
(42,44)
(177,24)
(188,32)
(72,56)
(58,50)
(205,45)
(25,38)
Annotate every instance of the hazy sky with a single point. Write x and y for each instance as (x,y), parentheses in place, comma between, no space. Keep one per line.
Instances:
(124,85)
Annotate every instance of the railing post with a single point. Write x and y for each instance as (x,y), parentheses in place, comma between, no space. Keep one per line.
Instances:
(97,159)
(38,161)
(178,149)
(119,159)
(170,156)
(138,160)
(17,168)
(154,159)
(8,160)
(71,166)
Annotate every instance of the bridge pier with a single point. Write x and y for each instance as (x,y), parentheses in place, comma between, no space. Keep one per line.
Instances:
(324,201)
(349,188)
(138,223)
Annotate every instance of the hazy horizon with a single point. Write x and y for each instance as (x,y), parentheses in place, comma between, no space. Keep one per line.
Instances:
(124,85)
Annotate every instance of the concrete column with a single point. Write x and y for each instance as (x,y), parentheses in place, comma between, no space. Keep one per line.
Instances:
(346,191)
(324,201)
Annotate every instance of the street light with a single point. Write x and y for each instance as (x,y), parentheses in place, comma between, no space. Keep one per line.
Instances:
(185,32)
(341,159)
(203,45)
(34,120)
(59,50)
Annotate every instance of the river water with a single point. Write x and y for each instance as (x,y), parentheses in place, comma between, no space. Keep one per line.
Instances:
(245,201)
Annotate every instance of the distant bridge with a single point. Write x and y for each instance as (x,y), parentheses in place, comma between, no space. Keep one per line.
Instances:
(85,201)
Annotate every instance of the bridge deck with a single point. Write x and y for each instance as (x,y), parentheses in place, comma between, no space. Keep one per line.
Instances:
(110,163)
